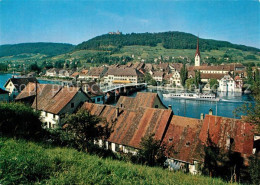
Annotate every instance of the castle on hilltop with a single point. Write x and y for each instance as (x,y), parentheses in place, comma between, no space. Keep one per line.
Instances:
(115,33)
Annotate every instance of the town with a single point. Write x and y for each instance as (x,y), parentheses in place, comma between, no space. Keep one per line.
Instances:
(129,92)
(134,118)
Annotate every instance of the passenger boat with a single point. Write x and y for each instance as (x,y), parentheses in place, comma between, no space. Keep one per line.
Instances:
(193,96)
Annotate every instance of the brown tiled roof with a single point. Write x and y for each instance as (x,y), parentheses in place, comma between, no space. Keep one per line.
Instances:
(220,129)
(211,76)
(142,99)
(123,72)
(131,125)
(53,98)
(28,91)
(96,71)
(158,73)
(52,70)
(177,66)
(75,74)
(20,83)
(50,98)
(210,68)
(84,71)
(182,139)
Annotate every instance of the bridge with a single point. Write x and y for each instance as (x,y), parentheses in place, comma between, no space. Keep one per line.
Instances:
(110,88)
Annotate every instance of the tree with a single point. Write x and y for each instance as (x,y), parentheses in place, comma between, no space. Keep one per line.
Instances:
(85,128)
(197,79)
(148,77)
(250,79)
(190,83)
(19,120)
(213,83)
(184,74)
(34,67)
(152,152)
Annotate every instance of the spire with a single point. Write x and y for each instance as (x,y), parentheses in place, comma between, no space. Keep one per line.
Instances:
(198,50)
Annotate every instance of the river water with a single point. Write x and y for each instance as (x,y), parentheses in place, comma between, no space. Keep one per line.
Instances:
(188,108)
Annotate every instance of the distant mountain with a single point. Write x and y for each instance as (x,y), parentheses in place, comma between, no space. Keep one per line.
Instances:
(169,40)
(49,49)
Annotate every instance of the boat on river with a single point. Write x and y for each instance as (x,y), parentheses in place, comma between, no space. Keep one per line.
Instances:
(193,96)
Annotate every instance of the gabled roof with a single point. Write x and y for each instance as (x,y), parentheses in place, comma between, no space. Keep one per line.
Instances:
(118,71)
(20,83)
(211,76)
(142,99)
(2,91)
(53,98)
(221,129)
(158,74)
(96,71)
(182,139)
(131,125)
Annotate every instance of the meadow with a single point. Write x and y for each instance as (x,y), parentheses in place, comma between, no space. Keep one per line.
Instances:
(27,162)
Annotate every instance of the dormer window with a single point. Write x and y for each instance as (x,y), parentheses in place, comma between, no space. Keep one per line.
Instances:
(72,105)
(188,144)
(170,140)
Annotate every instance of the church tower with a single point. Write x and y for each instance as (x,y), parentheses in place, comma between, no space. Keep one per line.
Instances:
(197,55)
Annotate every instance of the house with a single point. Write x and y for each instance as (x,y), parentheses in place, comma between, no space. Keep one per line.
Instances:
(227,83)
(63,73)
(205,77)
(75,75)
(176,67)
(53,101)
(96,73)
(186,138)
(131,123)
(158,76)
(176,79)
(93,91)
(83,75)
(238,84)
(15,85)
(53,72)
(183,145)
(4,95)
(123,75)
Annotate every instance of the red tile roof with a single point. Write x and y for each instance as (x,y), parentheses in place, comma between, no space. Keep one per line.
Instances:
(131,125)
(142,99)
(182,139)
(221,129)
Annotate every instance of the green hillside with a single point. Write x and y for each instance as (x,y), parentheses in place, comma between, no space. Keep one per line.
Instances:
(169,40)
(23,162)
(49,49)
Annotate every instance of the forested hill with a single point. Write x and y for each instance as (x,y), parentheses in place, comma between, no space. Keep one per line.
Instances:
(170,40)
(50,49)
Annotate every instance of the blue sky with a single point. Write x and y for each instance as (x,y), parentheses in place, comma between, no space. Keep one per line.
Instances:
(76,21)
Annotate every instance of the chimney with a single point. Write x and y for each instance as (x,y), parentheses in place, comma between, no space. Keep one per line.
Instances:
(210,112)
(170,107)
(117,111)
(201,116)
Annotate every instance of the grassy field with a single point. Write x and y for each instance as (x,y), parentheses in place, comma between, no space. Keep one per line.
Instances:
(23,162)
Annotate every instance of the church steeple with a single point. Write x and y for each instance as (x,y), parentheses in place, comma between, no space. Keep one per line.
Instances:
(197,54)
(198,49)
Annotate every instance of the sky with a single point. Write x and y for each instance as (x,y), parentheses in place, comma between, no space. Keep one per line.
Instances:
(75,21)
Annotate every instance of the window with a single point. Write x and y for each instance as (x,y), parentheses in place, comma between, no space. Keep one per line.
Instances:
(170,140)
(53,116)
(72,105)
(98,99)
(188,144)
(156,106)
(46,114)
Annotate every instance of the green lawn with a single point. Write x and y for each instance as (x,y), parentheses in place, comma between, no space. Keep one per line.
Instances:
(23,162)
